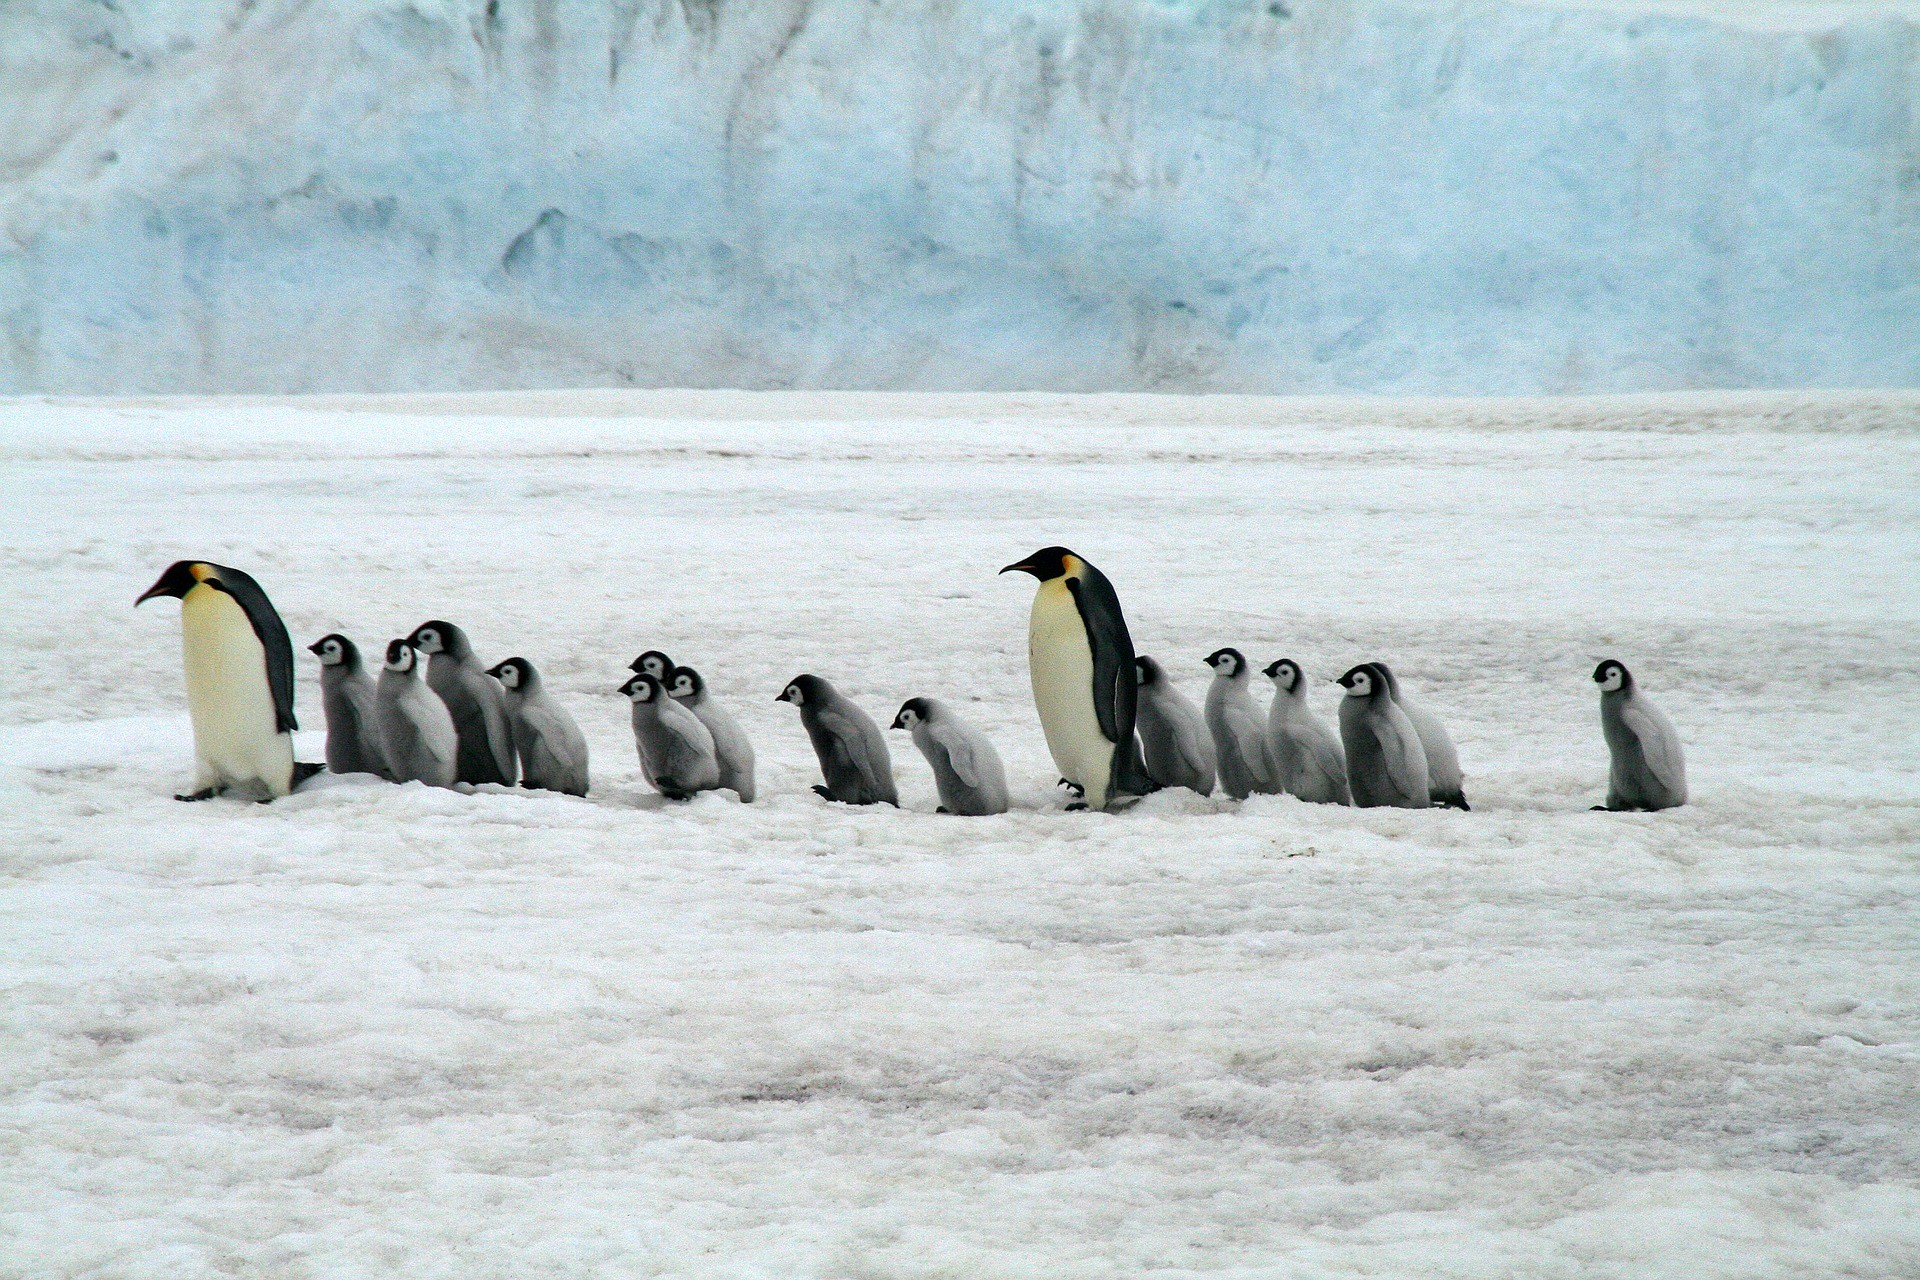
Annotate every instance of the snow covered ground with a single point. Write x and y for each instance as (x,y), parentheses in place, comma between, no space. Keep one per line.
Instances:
(374,1031)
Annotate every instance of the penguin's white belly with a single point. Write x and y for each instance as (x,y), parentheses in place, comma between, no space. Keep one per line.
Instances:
(1061,661)
(235,728)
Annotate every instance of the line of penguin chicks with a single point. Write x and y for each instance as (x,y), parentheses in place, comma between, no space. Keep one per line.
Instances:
(468,723)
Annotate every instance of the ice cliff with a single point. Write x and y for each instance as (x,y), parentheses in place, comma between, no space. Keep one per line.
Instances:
(1290,195)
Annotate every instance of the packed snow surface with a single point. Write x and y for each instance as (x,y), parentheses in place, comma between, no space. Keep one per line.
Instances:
(387,1031)
(1198,195)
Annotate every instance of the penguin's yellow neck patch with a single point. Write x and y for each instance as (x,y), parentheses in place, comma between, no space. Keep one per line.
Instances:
(200,572)
(1070,566)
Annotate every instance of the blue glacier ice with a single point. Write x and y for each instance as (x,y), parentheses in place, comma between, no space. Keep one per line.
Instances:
(1186,195)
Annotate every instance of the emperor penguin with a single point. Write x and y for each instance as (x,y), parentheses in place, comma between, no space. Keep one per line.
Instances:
(853,754)
(1443,762)
(653,663)
(548,742)
(1238,727)
(347,693)
(1081,660)
(1648,770)
(417,736)
(1386,765)
(730,745)
(239,669)
(966,769)
(1173,737)
(676,750)
(478,703)
(1307,758)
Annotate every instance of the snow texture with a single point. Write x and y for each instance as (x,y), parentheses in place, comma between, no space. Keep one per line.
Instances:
(1198,195)
(388,1031)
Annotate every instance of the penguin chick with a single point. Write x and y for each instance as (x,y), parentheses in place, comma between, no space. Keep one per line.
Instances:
(1386,765)
(853,755)
(1443,762)
(475,699)
(676,750)
(552,752)
(1307,758)
(1239,729)
(652,663)
(966,769)
(1080,657)
(1174,737)
(238,663)
(1648,770)
(417,736)
(347,692)
(730,745)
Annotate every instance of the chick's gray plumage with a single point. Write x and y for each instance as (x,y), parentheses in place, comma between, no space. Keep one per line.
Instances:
(1386,765)
(1648,769)
(475,700)
(1307,758)
(1444,779)
(853,754)
(1174,738)
(676,750)
(1238,727)
(550,747)
(417,736)
(350,697)
(966,769)
(730,745)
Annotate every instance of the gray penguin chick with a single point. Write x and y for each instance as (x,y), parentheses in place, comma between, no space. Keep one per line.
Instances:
(552,751)
(1648,772)
(730,745)
(475,699)
(676,750)
(1174,737)
(1443,762)
(1239,730)
(348,692)
(1307,757)
(1386,765)
(966,769)
(853,754)
(417,736)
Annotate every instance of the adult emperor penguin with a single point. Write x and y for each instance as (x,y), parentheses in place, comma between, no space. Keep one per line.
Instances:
(966,769)
(478,703)
(1648,770)
(730,745)
(1307,758)
(1386,765)
(239,669)
(347,692)
(552,752)
(1173,736)
(676,750)
(1238,727)
(853,754)
(417,736)
(1443,762)
(1081,660)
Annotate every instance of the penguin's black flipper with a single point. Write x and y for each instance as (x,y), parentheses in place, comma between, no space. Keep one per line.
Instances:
(272,633)
(304,769)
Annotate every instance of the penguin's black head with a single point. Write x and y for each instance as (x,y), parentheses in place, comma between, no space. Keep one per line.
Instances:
(181,577)
(1285,674)
(335,650)
(1387,678)
(912,712)
(654,663)
(1228,662)
(515,673)
(803,690)
(401,655)
(1362,681)
(1612,676)
(1147,671)
(1045,564)
(686,683)
(644,688)
(440,637)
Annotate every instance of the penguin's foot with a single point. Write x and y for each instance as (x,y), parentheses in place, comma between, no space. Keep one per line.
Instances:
(304,769)
(943,809)
(205,793)
(823,792)
(1078,806)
